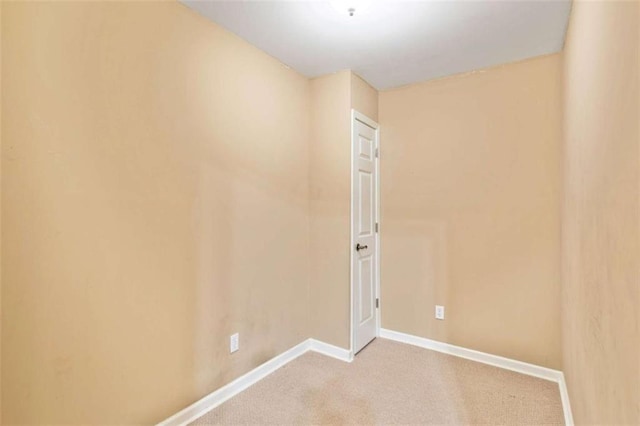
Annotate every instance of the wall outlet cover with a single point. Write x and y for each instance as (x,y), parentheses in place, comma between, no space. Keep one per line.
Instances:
(439,312)
(234,343)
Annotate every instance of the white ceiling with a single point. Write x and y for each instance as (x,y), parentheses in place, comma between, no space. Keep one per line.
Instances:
(392,43)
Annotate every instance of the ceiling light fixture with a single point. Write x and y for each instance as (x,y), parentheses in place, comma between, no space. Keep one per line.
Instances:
(350,6)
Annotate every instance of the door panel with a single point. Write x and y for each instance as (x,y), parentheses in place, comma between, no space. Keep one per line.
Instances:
(363,204)
(366,222)
(366,296)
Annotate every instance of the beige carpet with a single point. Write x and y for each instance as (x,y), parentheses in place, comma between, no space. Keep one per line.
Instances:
(392,383)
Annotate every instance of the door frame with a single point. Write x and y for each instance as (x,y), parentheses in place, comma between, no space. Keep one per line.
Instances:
(355,115)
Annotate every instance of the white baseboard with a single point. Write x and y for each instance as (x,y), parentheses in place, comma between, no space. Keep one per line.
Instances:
(331,350)
(214,399)
(485,358)
(566,405)
(230,390)
(482,357)
(211,401)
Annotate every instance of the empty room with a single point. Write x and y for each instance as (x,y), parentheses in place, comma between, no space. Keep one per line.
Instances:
(351,212)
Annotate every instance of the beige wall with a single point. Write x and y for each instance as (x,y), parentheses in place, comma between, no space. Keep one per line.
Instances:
(601,232)
(329,174)
(332,98)
(164,185)
(154,201)
(471,207)
(364,98)
(155,176)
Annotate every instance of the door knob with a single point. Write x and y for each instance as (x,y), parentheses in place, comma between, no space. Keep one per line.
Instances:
(359,247)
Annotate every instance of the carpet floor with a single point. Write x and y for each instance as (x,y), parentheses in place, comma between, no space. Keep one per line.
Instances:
(392,383)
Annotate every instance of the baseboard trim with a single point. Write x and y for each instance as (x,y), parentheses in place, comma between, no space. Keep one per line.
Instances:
(485,358)
(330,350)
(566,405)
(214,399)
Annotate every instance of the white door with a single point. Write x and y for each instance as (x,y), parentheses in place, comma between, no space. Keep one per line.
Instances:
(364,266)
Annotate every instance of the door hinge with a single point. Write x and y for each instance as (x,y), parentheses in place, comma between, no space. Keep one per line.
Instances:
(377,153)
(377,227)
(377,303)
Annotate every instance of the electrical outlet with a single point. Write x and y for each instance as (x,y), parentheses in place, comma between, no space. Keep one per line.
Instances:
(439,312)
(234,343)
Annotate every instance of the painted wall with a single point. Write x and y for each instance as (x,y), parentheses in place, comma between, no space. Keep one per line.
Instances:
(364,98)
(154,201)
(601,214)
(329,191)
(332,98)
(164,184)
(471,210)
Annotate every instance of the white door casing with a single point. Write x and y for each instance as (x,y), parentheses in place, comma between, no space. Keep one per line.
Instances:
(364,236)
